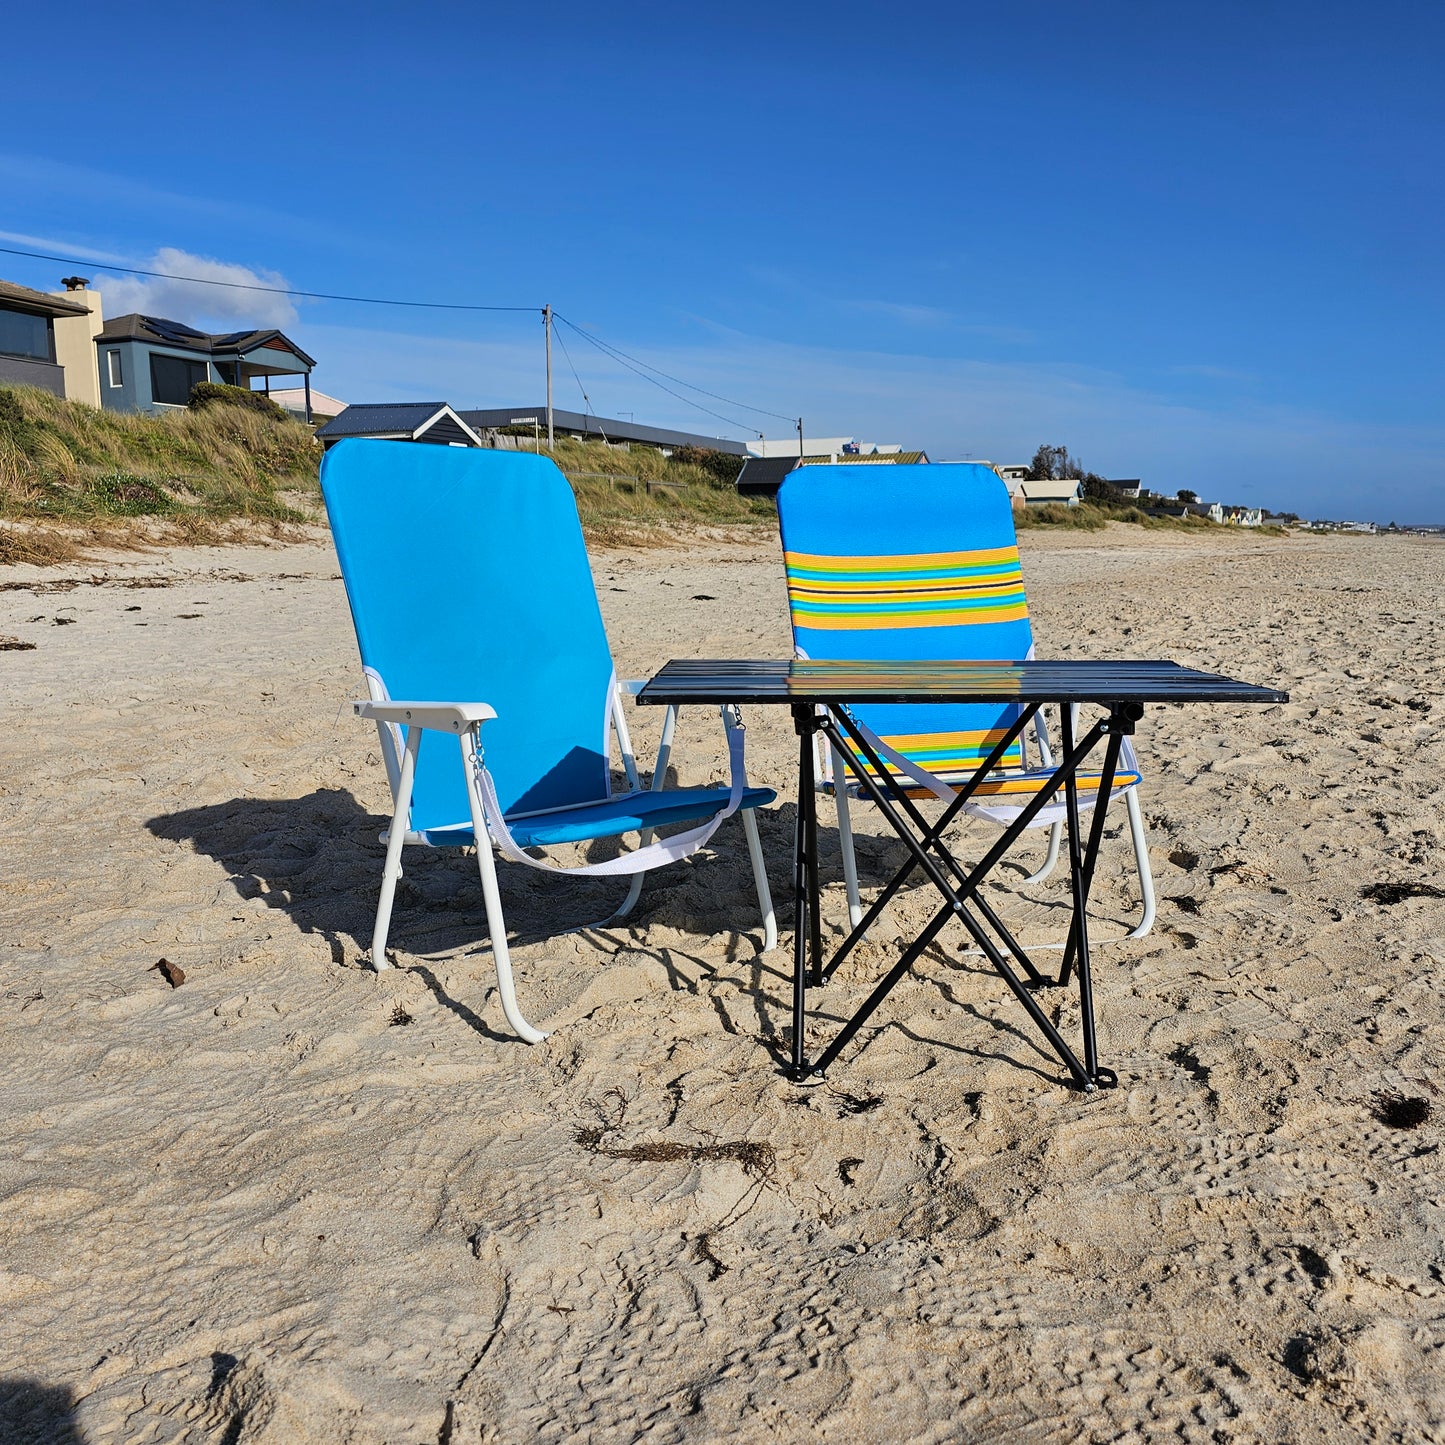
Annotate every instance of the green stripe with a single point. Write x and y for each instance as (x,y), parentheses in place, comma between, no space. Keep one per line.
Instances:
(983,569)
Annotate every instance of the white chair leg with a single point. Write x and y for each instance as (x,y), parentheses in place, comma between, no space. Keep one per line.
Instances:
(845,838)
(491,895)
(760,878)
(1052,857)
(391,870)
(634,889)
(1141,859)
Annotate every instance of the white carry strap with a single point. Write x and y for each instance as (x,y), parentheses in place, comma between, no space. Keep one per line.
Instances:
(946,793)
(906,766)
(655,855)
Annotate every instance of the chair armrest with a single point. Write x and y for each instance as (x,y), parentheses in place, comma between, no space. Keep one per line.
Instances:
(632,686)
(445,717)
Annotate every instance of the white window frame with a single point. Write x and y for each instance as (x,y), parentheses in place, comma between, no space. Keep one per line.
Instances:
(115,376)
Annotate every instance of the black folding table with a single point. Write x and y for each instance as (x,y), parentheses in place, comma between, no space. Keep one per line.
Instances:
(820,695)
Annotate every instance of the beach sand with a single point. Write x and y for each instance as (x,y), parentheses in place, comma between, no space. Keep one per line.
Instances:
(293,1200)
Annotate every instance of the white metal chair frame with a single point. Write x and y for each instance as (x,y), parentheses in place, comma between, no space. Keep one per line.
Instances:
(400,726)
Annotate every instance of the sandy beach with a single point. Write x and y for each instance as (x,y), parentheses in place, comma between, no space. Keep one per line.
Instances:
(292,1200)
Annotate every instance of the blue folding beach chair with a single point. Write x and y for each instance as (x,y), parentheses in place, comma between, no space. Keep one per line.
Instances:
(472,596)
(921,563)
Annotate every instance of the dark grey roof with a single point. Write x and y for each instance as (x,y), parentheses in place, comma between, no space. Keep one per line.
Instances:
(432,421)
(22,298)
(370,417)
(599,426)
(762,476)
(160,332)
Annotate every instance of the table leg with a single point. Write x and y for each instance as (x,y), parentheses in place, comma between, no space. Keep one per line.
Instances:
(955,898)
(804,883)
(1077,945)
(815,886)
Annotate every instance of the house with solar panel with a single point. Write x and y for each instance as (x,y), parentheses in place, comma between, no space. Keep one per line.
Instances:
(147,363)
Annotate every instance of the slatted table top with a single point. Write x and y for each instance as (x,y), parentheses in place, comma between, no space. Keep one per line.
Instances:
(712,680)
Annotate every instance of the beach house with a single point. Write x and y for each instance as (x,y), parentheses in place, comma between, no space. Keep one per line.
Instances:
(432,422)
(46,339)
(147,363)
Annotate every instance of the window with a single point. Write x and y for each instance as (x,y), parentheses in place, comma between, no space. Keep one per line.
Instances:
(172,378)
(112,368)
(22,334)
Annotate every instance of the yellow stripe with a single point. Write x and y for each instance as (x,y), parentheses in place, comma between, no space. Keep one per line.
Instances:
(974,737)
(1028,786)
(900,560)
(857,622)
(1001,787)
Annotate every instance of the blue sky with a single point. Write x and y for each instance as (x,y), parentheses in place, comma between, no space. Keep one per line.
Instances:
(1199,244)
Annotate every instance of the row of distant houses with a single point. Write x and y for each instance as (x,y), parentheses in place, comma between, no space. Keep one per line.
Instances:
(60,342)
(763,463)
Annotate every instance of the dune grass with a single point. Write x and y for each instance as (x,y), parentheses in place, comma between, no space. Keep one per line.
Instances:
(90,478)
(640,496)
(73,479)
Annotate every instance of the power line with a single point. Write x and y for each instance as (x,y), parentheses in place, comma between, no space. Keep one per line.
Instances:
(586,400)
(620,357)
(641,368)
(726,400)
(270,290)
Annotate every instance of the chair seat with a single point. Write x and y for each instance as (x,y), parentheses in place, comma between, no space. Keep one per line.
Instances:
(1013,787)
(626,813)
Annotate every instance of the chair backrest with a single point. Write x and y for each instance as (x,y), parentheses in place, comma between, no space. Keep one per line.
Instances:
(893,563)
(469,582)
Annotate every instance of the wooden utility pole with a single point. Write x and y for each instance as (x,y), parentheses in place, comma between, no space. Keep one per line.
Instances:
(547,327)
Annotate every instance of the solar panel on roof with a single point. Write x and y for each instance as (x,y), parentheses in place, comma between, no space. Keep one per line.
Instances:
(174,330)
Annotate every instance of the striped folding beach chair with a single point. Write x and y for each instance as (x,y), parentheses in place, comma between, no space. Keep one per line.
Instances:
(472,596)
(921,563)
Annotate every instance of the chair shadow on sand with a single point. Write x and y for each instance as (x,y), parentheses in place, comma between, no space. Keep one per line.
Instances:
(317,859)
(32,1413)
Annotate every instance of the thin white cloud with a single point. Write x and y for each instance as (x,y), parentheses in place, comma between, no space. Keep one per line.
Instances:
(191,300)
(937,319)
(66,248)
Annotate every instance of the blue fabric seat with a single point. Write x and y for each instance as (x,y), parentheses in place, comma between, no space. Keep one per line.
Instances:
(627,813)
(470,589)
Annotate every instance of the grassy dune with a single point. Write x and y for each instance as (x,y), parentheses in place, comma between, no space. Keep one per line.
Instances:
(78,477)
(73,478)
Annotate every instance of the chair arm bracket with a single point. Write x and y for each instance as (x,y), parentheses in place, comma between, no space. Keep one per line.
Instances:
(445,717)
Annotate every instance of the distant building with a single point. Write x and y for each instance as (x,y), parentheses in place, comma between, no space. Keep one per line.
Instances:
(401,421)
(293,399)
(596,428)
(894,457)
(1244,516)
(1126,486)
(45,340)
(147,363)
(762,476)
(825,449)
(1067,492)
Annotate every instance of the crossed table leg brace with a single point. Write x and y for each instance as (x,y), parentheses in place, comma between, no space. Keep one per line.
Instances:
(958,885)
